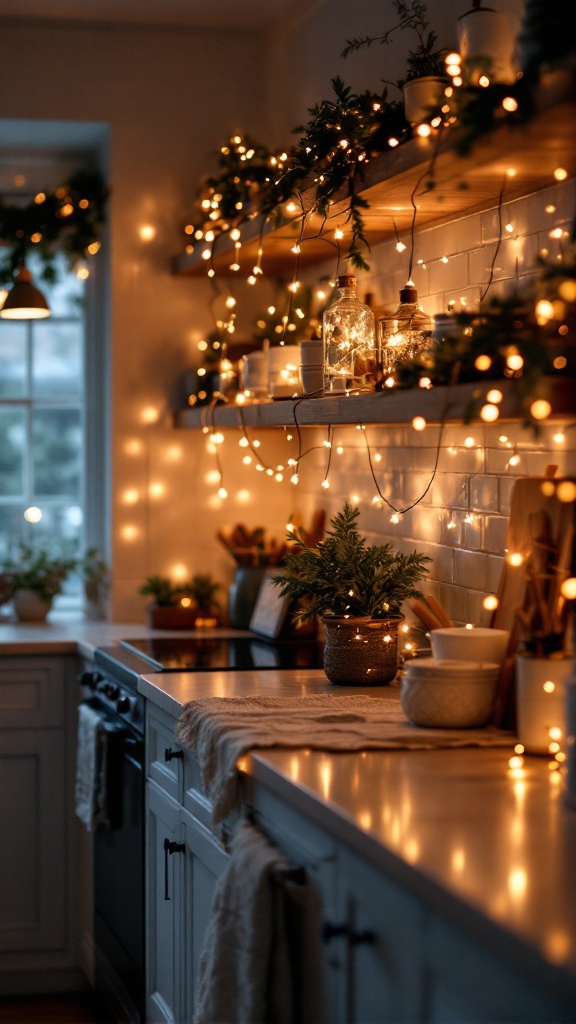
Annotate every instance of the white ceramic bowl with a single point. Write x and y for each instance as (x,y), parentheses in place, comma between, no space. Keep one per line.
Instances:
(448,694)
(456,643)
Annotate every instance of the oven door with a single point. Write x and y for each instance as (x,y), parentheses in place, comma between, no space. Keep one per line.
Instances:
(119,877)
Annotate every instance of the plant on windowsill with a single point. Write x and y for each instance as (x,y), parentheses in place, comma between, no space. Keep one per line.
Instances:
(95,574)
(183,606)
(358,592)
(36,576)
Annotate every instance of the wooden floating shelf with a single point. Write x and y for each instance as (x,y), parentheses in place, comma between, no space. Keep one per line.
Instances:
(462,185)
(385,408)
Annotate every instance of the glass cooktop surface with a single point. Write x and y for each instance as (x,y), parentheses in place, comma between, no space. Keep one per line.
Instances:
(200,654)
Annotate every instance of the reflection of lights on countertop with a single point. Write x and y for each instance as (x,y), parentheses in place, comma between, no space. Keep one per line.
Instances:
(517,884)
(326,779)
(458,860)
(558,946)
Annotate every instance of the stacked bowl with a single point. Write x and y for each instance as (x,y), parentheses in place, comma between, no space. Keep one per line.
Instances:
(456,688)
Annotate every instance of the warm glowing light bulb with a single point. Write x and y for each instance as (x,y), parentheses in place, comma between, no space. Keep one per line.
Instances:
(568,588)
(33,514)
(560,174)
(510,104)
(419,423)
(494,396)
(147,232)
(222,492)
(483,363)
(489,413)
(515,558)
(566,491)
(490,602)
(540,409)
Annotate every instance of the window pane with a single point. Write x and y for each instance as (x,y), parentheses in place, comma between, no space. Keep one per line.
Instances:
(13,529)
(65,296)
(57,452)
(12,447)
(13,359)
(56,359)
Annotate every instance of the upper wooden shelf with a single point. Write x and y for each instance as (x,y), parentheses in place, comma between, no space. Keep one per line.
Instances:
(439,404)
(462,185)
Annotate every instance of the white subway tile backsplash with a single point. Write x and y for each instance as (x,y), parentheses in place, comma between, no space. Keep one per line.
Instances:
(449,276)
(462,520)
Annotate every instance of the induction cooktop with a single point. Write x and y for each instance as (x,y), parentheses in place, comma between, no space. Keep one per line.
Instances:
(201,654)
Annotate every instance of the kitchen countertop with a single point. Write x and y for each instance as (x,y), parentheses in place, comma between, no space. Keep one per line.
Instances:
(492,848)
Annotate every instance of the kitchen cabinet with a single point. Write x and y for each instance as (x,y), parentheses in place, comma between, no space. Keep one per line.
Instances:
(389,953)
(38,931)
(184,859)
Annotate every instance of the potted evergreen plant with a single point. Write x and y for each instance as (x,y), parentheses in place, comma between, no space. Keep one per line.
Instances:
(358,592)
(181,606)
(36,576)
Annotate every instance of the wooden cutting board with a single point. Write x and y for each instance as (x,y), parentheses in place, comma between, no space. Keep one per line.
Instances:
(527,500)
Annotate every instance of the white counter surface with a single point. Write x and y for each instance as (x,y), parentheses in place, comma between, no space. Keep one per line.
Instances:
(493,848)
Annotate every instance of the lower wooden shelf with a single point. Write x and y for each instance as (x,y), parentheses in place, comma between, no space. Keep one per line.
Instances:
(439,404)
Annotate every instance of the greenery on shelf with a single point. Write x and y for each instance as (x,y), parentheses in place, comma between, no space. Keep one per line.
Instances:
(38,569)
(200,590)
(525,338)
(69,220)
(342,576)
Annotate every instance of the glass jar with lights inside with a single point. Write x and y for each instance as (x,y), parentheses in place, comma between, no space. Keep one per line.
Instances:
(403,333)
(349,334)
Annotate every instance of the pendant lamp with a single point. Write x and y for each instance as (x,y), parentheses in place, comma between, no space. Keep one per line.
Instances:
(24,301)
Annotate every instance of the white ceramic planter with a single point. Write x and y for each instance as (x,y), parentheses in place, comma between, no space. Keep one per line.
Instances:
(487,45)
(541,701)
(420,96)
(254,373)
(312,378)
(311,352)
(448,694)
(29,606)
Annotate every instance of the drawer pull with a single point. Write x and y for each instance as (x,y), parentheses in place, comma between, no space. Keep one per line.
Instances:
(170,847)
(365,938)
(333,931)
(170,754)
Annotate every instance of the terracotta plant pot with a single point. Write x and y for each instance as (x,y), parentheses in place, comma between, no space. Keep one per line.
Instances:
(29,606)
(165,617)
(362,651)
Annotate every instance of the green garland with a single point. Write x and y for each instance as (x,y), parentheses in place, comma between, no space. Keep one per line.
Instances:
(69,220)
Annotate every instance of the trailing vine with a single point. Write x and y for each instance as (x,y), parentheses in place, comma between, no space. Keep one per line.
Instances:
(68,220)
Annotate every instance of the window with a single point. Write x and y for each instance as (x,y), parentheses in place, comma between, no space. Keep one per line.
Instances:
(42,428)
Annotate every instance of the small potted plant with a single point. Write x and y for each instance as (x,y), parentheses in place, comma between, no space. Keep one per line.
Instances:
(96,576)
(358,592)
(202,589)
(36,575)
(180,606)
(425,79)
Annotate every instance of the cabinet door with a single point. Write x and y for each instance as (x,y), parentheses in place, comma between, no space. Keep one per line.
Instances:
(384,936)
(205,862)
(33,907)
(163,916)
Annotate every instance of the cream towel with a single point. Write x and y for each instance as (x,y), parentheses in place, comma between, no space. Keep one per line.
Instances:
(244,975)
(219,730)
(86,764)
(91,768)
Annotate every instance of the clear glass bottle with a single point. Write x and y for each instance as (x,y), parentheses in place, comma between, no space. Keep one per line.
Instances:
(349,335)
(404,333)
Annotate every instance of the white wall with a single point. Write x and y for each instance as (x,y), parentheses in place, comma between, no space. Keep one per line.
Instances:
(170,97)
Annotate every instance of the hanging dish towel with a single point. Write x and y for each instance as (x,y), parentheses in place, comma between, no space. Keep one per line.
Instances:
(91,760)
(244,975)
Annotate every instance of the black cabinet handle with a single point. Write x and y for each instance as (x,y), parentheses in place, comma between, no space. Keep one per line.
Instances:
(170,754)
(333,931)
(170,847)
(365,938)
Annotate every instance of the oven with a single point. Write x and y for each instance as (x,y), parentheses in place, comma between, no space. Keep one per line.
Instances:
(111,691)
(111,687)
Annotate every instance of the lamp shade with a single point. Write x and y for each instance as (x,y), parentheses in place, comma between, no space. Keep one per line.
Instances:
(24,301)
